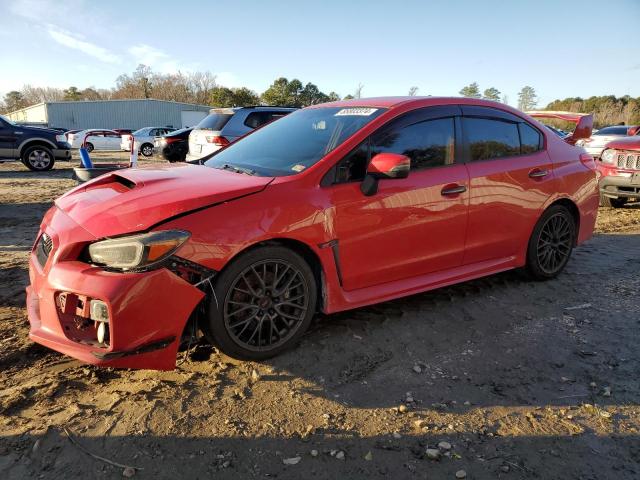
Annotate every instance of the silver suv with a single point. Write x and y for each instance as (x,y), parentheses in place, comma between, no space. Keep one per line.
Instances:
(225,125)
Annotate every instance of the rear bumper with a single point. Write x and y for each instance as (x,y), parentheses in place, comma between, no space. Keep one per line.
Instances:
(147,311)
(616,187)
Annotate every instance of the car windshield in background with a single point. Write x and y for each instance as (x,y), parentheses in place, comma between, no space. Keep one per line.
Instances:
(10,122)
(141,132)
(215,121)
(612,131)
(293,143)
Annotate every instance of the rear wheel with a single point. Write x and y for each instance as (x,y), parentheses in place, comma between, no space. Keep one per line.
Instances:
(265,301)
(38,158)
(612,202)
(551,243)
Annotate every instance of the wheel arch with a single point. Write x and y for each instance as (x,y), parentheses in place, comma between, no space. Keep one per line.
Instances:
(34,142)
(572,207)
(302,249)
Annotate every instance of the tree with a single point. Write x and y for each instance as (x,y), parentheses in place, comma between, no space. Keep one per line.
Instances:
(492,94)
(413,91)
(472,91)
(233,97)
(348,97)
(14,101)
(505,99)
(72,94)
(527,98)
(292,93)
(334,97)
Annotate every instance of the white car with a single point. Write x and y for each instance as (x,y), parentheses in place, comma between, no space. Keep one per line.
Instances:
(97,139)
(144,139)
(595,145)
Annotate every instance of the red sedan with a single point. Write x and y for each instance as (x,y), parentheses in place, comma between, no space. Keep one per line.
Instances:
(330,208)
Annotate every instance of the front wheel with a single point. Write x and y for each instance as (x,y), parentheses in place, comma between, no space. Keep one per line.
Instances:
(38,158)
(264,302)
(551,243)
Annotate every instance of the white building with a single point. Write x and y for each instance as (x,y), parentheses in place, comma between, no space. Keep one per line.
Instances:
(110,114)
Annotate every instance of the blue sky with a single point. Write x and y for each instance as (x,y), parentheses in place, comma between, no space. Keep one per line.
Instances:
(561,48)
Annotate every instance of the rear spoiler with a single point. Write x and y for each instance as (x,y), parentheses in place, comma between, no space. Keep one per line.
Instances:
(583,121)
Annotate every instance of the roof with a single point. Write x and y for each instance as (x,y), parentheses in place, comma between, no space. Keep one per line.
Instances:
(394,102)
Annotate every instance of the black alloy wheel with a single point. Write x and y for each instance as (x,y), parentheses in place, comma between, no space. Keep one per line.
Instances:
(551,243)
(266,300)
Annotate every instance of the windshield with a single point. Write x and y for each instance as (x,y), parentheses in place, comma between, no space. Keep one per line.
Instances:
(7,120)
(142,132)
(293,143)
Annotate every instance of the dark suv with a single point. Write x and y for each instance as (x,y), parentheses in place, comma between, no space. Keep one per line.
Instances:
(38,148)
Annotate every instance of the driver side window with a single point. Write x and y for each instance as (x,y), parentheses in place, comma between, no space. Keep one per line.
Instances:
(430,143)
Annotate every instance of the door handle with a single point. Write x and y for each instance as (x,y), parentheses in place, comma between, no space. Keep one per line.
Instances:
(538,173)
(453,190)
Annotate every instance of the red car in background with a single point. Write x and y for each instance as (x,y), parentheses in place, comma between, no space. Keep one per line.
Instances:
(332,207)
(619,165)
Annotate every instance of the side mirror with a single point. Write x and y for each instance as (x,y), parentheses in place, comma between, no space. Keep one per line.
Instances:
(384,165)
(389,165)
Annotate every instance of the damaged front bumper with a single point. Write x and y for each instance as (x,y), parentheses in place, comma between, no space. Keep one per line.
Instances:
(146,312)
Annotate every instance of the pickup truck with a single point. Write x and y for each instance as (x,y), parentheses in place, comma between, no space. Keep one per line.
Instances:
(37,148)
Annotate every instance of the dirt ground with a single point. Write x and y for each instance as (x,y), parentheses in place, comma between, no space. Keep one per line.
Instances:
(499,378)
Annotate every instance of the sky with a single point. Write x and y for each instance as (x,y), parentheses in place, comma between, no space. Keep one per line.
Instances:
(561,48)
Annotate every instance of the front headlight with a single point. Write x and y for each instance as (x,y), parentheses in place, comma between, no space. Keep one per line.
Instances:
(137,251)
(61,138)
(608,155)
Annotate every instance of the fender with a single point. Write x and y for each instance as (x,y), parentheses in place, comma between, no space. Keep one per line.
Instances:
(35,140)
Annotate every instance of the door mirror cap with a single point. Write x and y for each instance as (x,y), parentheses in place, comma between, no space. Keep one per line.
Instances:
(389,165)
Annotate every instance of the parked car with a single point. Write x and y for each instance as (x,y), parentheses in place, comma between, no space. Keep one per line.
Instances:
(225,125)
(596,143)
(330,208)
(619,166)
(69,132)
(173,146)
(123,131)
(144,139)
(96,139)
(38,148)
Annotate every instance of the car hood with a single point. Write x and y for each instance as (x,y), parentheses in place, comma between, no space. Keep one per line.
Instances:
(40,130)
(625,143)
(133,200)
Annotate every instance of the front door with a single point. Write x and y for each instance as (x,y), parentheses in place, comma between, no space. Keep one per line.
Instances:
(411,226)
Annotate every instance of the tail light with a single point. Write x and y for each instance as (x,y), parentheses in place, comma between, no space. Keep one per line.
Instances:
(169,140)
(588,161)
(217,140)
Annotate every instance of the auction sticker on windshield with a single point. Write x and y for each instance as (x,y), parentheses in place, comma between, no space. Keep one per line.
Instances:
(363,112)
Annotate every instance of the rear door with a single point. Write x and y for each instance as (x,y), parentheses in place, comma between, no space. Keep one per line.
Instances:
(112,140)
(411,226)
(511,177)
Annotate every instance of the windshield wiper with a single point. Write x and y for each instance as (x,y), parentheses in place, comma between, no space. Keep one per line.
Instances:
(235,168)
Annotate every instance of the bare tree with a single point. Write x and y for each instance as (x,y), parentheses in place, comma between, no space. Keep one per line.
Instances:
(413,91)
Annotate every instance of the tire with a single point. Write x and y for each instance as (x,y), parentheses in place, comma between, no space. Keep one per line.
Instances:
(612,202)
(551,243)
(247,314)
(146,149)
(38,158)
(89,147)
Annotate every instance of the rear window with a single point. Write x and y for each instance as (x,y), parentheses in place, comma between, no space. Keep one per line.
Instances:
(214,121)
(491,138)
